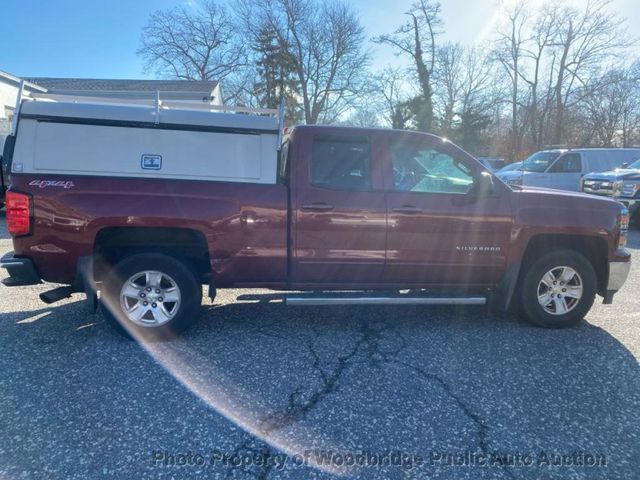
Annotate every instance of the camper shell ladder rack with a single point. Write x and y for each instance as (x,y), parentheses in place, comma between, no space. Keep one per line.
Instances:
(154,100)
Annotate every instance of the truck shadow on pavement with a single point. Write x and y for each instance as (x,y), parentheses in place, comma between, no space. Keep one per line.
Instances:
(426,382)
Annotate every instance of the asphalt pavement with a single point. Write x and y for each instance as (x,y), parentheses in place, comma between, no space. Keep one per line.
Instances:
(260,390)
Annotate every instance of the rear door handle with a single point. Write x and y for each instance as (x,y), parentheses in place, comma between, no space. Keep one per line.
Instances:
(407,209)
(318,207)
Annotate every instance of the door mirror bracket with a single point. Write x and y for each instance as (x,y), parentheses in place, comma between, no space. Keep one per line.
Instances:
(483,186)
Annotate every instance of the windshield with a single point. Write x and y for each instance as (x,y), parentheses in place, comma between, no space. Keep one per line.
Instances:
(510,167)
(635,165)
(538,162)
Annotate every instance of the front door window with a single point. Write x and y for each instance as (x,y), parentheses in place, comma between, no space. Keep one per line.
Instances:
(425,169)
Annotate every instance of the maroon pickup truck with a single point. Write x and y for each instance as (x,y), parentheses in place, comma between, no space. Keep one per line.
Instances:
(382,216)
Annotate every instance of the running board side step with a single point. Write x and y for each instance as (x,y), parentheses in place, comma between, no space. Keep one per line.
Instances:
(311,301)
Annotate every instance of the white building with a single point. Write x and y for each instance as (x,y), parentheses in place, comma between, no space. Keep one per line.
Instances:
(9,86)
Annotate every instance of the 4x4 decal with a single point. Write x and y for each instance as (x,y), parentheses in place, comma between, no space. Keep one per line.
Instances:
(52,183)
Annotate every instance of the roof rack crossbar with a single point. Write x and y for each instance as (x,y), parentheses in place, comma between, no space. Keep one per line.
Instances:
(155,102)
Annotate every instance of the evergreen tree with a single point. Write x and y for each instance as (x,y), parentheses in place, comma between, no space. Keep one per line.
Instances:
(276,79)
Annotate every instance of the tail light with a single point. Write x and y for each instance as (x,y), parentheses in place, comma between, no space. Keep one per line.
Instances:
(623,227)
(18,213)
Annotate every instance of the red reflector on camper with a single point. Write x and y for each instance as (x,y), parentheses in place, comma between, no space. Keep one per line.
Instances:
(18,213)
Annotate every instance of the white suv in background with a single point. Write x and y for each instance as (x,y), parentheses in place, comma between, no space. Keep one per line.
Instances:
(563,169)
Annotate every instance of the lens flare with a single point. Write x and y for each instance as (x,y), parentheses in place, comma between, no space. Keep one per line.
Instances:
(236,404)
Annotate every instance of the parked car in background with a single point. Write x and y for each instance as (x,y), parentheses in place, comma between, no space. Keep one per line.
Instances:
(563,169)
(491,163)
(622,184)
(538,162)
(510,167)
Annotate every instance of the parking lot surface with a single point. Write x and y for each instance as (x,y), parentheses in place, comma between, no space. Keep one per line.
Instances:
(261,390)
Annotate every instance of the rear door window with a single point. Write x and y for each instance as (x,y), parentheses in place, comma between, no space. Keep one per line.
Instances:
(341,162)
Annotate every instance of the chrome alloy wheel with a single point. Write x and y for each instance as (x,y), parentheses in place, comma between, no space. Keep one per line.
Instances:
(150,298)
(560,290)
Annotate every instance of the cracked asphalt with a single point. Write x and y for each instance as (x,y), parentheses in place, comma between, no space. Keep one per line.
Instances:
(260,390)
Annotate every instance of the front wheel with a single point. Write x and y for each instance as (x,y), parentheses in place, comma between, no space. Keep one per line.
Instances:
(151,296)
(558,289)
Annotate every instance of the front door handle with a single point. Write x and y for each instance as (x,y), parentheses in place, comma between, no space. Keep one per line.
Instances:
(409,209)
(318,207)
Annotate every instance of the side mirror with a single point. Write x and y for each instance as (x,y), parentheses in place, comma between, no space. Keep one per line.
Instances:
(624,165)
(483,185)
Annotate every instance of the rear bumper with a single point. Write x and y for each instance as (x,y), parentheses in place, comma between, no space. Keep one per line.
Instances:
(21,271)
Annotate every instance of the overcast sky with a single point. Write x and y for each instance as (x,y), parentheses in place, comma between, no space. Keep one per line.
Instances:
(81,38)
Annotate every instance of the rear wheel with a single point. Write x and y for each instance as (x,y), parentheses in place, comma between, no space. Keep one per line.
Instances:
(558,289)
(151,296)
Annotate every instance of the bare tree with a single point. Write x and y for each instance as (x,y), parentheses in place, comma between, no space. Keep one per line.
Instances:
(477,99)
(630,121)
(585,39)
(612,108)
(239,87)
(538,47)
(325,45)
(364,116)
(192,44)
(463,94)
(389,87)
(416,38)
(509,52)
(448,84)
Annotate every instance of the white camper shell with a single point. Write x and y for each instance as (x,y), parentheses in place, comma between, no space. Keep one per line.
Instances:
(65,135)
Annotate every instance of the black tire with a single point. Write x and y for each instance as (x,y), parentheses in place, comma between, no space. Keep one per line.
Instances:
(186,309)
(531,287)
